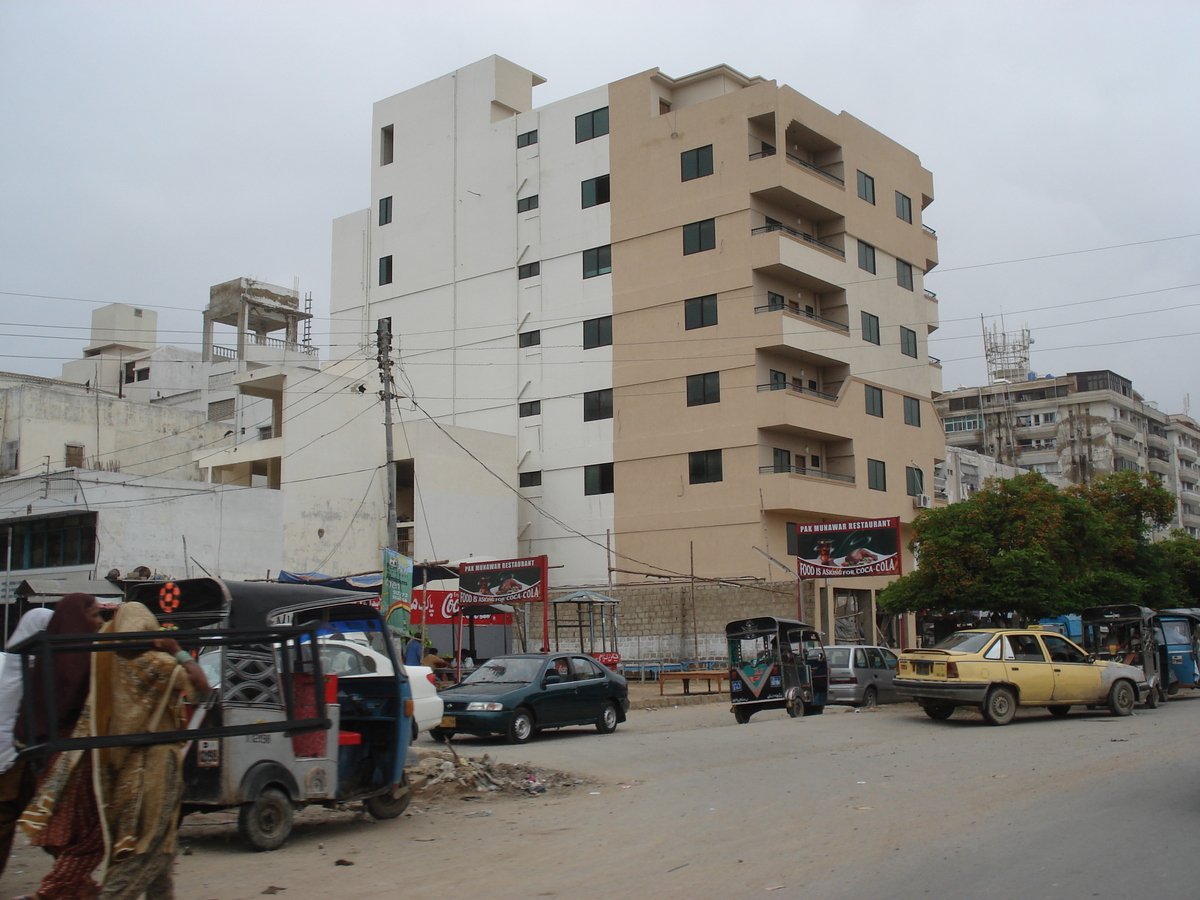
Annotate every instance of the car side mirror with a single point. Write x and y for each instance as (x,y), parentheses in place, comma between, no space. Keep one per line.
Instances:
(552,678)
(1091,657)
(814,656)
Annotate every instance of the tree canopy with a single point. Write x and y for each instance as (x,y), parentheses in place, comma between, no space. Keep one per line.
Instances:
(1022,545)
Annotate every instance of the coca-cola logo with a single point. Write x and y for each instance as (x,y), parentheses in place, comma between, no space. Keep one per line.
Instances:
(450,606)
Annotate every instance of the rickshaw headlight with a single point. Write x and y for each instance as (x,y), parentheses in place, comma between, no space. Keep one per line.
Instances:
(479,706)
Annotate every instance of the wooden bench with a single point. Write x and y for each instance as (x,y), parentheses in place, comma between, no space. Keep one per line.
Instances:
(687,678)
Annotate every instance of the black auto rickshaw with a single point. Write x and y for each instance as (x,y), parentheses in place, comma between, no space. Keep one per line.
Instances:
(1128,634)
(775,664)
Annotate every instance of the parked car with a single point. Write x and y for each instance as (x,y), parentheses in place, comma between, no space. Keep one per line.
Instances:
(349,659)
(861,676)
(996,670)
(519,695)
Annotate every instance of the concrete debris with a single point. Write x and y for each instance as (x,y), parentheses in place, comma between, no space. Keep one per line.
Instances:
(445,771)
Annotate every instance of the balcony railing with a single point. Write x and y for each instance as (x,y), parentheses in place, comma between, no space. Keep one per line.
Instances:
(799,389)
(800,470)
(223,353)
(263,341)
(803,313)
(804,163)
(934,361)
(779,226)
(930,294)
(928,230)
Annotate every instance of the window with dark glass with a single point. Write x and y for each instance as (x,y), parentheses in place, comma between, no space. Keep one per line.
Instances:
(597,261)
(598,405)
(525,204)
(385,210)
(903,207)
(782,459)
(597,332)
(529,270)
(594,191)
(916,480)
(775,301)
(49,543)
(529,408)
(778,380)
(793,540)
(700,312)
(526,138)
(908,342)
(143,374)
(904,274)
(598,479)
(529,338)
(704,388)
(591,125)
(870,327)
(874,400)
(912,411)
(876,475)
(696,163)
(704,466)
(699,236)
(530,479)
(866,257)
(866,187)
(385,270)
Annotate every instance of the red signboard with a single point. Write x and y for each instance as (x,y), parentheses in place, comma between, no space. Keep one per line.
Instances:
(507,581)
(440,608)
(843,549)
(612,660)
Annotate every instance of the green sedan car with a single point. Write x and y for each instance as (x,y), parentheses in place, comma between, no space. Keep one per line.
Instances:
(519,695)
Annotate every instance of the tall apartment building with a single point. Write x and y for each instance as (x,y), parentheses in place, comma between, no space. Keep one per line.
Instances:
(696,303)
(1074,428)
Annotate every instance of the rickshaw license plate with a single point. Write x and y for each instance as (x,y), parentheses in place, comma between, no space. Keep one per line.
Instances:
(448,722)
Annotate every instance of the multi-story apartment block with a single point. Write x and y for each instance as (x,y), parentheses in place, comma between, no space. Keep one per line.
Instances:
(1073,428)
(696,303)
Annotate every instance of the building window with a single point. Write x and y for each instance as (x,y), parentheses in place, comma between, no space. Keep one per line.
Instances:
(903,207)
(73,456)
(49,543)
(385,270)
(598,479)
(916,481)
(874,400)
(529,408)
(775,301)
(130,375)
(876,475)
(793,540)
(598,405)
(529,338)
(962,423)
(530,479)
(704,466)
(143,374)
(524,140)
(866,187)
(870,327)
(387,136)
(703,389)
(594,191)
(385,210)
(699,236)
(908,342)
(904,276)
(597,332)
(781,459)
(912,411)
(525,204)
(529,270)
(597,261)
(866,257)
(591,125)
(696,163)
(778,380)
(700,312)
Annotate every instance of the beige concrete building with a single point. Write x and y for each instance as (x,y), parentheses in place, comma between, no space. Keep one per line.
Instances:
(696,304)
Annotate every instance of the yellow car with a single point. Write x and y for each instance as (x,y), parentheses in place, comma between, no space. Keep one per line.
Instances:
(999,669)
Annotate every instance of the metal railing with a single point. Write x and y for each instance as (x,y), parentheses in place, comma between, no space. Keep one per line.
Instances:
(806,164)
(799,389)
(930,294)
(800,470)
(928,230)
(803,313)
(934,361)
(763,154)
(808,238)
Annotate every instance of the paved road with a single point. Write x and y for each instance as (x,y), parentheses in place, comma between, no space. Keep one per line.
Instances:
(845,805)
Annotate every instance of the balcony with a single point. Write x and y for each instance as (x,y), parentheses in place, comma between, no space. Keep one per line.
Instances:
(800,235)
(799,389)
(809,473)
(793,308)
(1123,427)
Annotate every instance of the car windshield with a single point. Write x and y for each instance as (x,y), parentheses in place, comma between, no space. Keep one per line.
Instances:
(839,657)
(505,670)
(965,641)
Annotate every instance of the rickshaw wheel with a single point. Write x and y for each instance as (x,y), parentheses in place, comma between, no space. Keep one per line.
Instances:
(388,806)
(1152,698)
(266,822)
(795,707)
(741,715)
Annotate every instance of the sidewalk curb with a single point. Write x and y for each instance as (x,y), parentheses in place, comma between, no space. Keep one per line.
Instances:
(668,701)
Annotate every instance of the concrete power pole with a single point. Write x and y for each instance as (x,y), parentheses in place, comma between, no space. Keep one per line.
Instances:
(383,339)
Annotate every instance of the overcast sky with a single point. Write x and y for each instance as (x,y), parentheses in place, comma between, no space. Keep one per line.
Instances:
(150,150)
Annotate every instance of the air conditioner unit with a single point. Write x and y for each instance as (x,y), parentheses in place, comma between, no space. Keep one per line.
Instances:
(922,501)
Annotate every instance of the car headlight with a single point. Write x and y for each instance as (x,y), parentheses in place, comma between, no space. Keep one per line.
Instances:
(484,707)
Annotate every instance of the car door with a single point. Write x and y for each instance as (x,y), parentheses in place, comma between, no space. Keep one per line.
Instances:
(1028,668)
(887,690)
(877,669)
(591,689)
(553,700)
(1075,679)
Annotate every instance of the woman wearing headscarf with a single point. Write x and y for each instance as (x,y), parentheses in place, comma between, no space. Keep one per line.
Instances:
(63,817)
(17,781)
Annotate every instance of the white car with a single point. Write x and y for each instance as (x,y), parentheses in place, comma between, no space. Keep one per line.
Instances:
(350,659)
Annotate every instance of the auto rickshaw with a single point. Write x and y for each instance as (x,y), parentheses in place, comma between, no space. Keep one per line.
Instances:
(1179,634)
(359,756)
(1128,634)
(775,664)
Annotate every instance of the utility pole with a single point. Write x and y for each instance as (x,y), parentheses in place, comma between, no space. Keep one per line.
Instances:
(383,339)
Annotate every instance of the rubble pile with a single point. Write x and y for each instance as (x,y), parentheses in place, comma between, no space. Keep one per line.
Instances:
(446,772)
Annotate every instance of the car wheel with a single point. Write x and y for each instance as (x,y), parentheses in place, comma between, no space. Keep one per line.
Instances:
(1000,706)
(441,734)
(939,711)
(390,804)
(607,723)
(266,821)
(1121,698)
(870,698)
(741,715)
(520,729)
(1059,711)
